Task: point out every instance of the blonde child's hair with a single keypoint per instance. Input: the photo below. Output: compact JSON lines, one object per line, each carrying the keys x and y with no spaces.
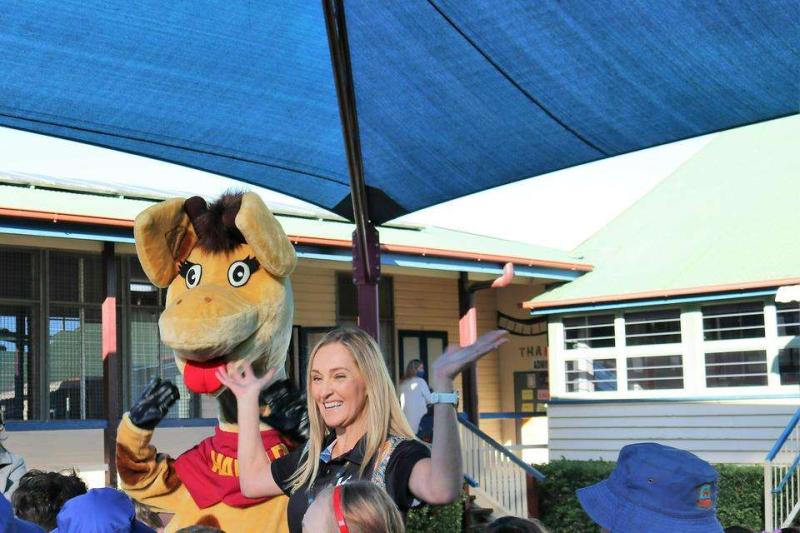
{"x":366,"y":508}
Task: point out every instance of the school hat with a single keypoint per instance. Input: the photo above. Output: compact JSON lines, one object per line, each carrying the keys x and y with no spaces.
{"x":655,"y":488}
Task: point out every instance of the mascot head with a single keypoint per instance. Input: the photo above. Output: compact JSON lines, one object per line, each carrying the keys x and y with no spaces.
{"x":226,"y":266}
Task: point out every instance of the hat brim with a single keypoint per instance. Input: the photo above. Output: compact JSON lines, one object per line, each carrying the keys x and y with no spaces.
{"x":620,"y":516}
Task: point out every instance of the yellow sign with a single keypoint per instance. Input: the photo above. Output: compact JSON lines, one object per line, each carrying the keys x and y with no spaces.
{"x":527,"y":394}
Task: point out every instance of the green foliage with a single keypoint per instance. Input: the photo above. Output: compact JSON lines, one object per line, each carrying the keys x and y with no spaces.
{"x":741,"y":496}
{"x":558,"y":506}
{"x":740,"y":502}
{"x":437,"y":518}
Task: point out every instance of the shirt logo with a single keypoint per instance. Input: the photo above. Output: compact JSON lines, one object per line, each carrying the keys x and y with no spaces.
{"x":224,"y":465}
{"x":704,"y":496}
{"x":229,"y":466}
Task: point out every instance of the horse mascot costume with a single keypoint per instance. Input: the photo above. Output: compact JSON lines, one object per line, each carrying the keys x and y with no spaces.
{"x":229,"y":299}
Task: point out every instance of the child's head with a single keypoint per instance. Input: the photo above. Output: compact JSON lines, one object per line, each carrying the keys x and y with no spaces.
{"x":357,"y":507}
{"x":655,"y":488}
{"x":515,"y":524}
{"x":40,"y":495}
{"x":104,"y":510}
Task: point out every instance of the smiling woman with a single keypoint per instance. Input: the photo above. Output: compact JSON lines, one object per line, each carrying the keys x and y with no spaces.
{"x":357,"y":429}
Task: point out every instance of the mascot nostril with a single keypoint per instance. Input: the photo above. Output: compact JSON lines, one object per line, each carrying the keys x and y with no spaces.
{"x":228,"y":263}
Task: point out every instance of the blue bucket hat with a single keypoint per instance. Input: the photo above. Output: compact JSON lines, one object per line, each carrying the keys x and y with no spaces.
{"x":655,"y":488}
{"x":103,"y":510}
{"x":11,"y":524}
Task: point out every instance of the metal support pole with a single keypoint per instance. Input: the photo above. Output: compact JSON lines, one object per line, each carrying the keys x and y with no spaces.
{"x":366,"y":244}
{"x":112,"y":366}
{"x":468,"y":334}
{"x":366,"y":287}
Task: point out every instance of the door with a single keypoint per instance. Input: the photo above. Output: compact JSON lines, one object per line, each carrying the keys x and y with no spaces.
{"x":426,"y":346}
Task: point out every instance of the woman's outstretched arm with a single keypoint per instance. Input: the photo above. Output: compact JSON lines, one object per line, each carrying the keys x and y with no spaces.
{"x":255,"y":473}
{"x":438,"y":480}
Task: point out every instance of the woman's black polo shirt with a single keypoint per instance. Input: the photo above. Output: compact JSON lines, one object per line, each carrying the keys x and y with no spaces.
{"x":345,"y":468}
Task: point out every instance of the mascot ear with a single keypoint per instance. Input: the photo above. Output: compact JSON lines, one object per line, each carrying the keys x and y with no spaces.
{"x":265,"y":235}
{"x":164,"y":237}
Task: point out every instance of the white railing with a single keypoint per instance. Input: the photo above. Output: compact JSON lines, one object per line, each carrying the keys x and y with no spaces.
{"x":782,"y":478}
{"x":501,"y":476}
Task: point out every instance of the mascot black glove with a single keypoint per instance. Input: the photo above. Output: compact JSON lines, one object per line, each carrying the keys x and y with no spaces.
{"x":154,"y":403}
{"x":288,"y":413}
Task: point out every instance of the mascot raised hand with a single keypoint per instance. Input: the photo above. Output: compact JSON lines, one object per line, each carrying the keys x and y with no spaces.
{"x":226,"y":266}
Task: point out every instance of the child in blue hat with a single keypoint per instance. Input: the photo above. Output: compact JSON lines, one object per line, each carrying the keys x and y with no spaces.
{"x":657,"y":489}
{"x":104,"y":510}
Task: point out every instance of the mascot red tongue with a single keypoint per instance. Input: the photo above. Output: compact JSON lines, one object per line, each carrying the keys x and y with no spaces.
{"x":201,"y":378}
{"x":226,"y":266}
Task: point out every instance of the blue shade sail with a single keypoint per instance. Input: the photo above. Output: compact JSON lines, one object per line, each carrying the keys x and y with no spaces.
{"x":453,"y":96}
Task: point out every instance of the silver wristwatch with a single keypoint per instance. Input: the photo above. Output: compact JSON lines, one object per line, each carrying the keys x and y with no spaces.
{"x":445,"y":397}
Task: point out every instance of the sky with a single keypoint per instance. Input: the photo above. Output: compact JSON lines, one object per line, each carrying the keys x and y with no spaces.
{"x":557,"y":210}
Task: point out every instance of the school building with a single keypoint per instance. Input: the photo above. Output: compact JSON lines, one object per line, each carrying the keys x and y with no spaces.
{"x":676,"y":335}
{"x":59,"y":242}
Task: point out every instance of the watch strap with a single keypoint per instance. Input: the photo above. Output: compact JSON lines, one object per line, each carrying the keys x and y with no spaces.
{"x":444,"y":397}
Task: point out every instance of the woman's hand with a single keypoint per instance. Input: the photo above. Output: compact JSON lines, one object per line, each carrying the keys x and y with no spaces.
{"x":456,"y":358}
{"x":241,"y":381}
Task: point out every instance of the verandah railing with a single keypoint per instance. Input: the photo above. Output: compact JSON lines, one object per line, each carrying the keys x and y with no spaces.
{"x":502,"y":477}
{"x":782,"y":478}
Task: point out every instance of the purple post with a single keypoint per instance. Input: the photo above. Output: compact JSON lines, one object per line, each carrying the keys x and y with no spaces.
{"x":366,"y":276}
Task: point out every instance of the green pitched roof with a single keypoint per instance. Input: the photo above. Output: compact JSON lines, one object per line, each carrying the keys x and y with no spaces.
{"x":729,"y":217}
{"x":18,"y":195}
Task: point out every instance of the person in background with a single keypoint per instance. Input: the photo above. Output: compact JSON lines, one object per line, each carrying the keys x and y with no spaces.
{"x":199,"y":529}
{"x":12,"y":466}
{"x":103,"y":510}
{"x":657,"y":489}
{"x":356,"y":507}
{"x":41,"y":495}
{"x":414,"y":394}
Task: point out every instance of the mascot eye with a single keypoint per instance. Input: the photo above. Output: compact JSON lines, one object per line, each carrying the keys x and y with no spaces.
{"x":239,"y":272}
{"x":193,"y":276}
{"x":191,"y":273}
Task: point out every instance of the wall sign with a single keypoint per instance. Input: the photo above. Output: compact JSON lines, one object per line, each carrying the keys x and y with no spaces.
{"x":525,"y":327}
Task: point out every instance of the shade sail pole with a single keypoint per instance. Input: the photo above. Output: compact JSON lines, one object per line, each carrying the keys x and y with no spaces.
{"x":112,"y":366}
{"x":366,"y":241}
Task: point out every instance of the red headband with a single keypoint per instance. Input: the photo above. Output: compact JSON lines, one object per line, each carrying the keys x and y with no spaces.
{"x":337,"y":509}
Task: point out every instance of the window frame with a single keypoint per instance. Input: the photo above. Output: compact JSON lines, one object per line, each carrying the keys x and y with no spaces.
{"x":692,"y":350}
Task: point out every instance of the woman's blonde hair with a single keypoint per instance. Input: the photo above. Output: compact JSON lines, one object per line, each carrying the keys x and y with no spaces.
{"x":366,"y":508}
{"x":384,"y":415}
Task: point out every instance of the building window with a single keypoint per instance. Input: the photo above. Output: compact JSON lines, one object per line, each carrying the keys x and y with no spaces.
{"x":733,"y":321}
{"x":17,"y":345}
{"x":347,"y":312}
{"x":736,"y":369}
{"x":653,"y":327}
{"x":592,"y":331}
{"x":19,"y":333}
{"x":74,"y":358}
{"x":656,"y":372}
{"x":149,"y":357}
{"x":591,"y":375}
{"x":789,"y":366}
{"x":788,"y":319}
